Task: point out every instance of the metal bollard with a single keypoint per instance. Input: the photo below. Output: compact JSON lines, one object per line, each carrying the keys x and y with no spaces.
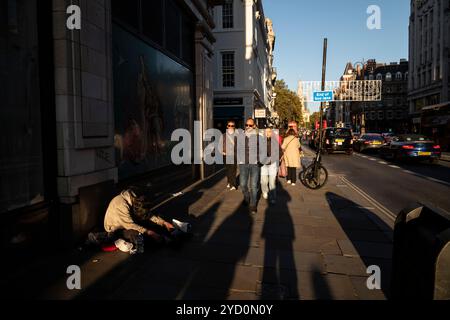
{"x":421,"y":255}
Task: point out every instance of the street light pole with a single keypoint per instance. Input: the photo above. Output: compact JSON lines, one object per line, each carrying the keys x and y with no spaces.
{"x":324,"y":69}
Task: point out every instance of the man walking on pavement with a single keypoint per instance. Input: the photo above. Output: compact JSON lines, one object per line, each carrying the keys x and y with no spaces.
{"x":249,"y":167}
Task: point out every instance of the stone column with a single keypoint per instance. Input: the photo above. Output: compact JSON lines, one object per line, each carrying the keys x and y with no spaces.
{"x":84,"y":108}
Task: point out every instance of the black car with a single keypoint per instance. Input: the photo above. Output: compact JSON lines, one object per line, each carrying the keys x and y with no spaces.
{"x":411,"y":146}
{"x":369,"y":141}
{"x":338,"y":140}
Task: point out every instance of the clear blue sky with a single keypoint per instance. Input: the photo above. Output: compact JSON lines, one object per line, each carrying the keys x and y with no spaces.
{"x":301,"y":25}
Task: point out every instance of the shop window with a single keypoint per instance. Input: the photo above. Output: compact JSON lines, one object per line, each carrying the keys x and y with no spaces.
{"x":21,"y":156}
{"x":173,"y":30}
{"x":153,"y":28}
{"x":127,"y":12}
{"x":187,"y":38}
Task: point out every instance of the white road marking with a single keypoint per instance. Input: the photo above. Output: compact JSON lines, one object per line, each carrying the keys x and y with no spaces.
{"x":395,"y":167}
{"x":371,"y":200}
{"x":382,"y":162}
{"x":372,"y":159}
{"x":433,"y":179}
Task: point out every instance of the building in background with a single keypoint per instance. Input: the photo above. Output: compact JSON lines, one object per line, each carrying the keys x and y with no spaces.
{"x":244,"y":76}
{"x":303,"y":99}
{"x":391,"y":113}
{"x":429,"y":69}
{"x":87,"y":112}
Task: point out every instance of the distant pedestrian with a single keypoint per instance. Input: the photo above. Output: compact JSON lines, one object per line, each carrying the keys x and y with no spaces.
{"x":291,"y":155}
{"x":249,"y":170}
{"x":269,"y":170}
{"x":230,"y":155}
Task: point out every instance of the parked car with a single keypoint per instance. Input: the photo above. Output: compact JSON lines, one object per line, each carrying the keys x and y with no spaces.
{"x":368,"y":141}
{"x":388,"y":136}
{"x":410,"y":146}
{"x":356,"y":135}
{"x":337,"y":140}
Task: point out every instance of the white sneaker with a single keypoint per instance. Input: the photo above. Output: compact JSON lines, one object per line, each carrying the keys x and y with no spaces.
{"x":228,"y":186}
{"x":293,"y":184}
{"x":289,"y":181}
{"x":265,"y":196}
{"x":233,"y":188}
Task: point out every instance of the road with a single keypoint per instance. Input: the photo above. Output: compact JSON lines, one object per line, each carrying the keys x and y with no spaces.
{"x":391,"y":184}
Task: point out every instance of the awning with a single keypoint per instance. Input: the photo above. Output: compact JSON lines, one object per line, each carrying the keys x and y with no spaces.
{"x":436,"y":107}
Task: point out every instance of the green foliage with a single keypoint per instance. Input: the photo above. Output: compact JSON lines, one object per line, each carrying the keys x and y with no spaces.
{"x":287,"y":104}
{"x":314,"y":117}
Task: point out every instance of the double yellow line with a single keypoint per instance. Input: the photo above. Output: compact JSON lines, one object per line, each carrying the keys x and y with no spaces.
{"x":371,"y":200}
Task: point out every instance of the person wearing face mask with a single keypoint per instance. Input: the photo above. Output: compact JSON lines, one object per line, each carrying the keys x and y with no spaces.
{"x":230,"y":155}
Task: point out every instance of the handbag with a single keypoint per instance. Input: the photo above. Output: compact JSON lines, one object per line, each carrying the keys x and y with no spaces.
{"x":282,"y":170}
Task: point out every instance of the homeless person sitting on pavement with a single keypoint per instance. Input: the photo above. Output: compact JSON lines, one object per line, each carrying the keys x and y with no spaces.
{"x":129,"y":220}
{"x":130,"y":211}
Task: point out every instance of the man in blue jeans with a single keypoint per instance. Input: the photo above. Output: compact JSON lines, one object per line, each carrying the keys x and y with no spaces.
{"x":249,"y":170}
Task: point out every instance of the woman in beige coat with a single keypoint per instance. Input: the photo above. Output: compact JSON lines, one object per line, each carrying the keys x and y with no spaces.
{"x":291,"y":155}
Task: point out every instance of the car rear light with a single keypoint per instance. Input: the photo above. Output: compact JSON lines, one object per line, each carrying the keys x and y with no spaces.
{"x":366,"y":142}
{"x":327,"y":141}
{"x":437,"y":147}
{"x":408,"y":147}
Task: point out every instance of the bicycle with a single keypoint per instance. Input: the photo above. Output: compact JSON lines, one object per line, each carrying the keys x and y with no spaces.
{"x":314,"y":176}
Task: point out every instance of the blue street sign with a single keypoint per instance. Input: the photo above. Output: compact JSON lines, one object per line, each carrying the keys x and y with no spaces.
{"x":323,"y":96}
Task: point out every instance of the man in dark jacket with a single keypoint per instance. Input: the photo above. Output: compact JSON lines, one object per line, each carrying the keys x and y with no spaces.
{"x":249,"y":169}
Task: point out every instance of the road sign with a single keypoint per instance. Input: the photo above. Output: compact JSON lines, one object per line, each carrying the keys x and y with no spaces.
{"x":260,"y":113}
{"x":323,"y":96}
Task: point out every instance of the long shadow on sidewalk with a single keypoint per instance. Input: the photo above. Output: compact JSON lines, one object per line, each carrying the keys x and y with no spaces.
{"x":279,"y":280}
{"x":217,"y":274}
{"x":369,"y":238}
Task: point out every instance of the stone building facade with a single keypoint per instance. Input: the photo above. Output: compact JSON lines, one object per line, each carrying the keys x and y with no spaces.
{"x":244,"y":75}
{"x":429,"y":68}
{"x":92,"y":110}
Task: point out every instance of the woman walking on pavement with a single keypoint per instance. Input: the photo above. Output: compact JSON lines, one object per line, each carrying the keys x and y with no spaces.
{"x":291,"y":149}
{"x":269,"y":170}
{"x":230,"y":154}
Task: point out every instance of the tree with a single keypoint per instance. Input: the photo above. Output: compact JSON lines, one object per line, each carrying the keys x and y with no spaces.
{"x":287,"y":104}
{"x":315,"y":117}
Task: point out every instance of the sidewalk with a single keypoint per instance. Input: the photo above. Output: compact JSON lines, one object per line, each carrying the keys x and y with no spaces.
{"x":445,"y":156}
{"x":311,"y":245}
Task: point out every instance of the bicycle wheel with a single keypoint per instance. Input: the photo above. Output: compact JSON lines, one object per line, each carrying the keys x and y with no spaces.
{"x":312,"y":182}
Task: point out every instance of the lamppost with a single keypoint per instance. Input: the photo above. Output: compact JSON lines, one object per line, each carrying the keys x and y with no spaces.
{"x":363,"y":115}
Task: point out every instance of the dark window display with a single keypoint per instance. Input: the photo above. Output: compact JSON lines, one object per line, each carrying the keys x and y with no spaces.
{"x":21,"y":164}
{"x":153,"y":96}
{"x":163,"y":23}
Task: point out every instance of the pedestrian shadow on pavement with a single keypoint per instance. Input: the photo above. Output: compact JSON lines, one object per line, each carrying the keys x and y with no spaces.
{"x":279,"y":280}
{"x":217,"y":273}
{"x":369,"y":239}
